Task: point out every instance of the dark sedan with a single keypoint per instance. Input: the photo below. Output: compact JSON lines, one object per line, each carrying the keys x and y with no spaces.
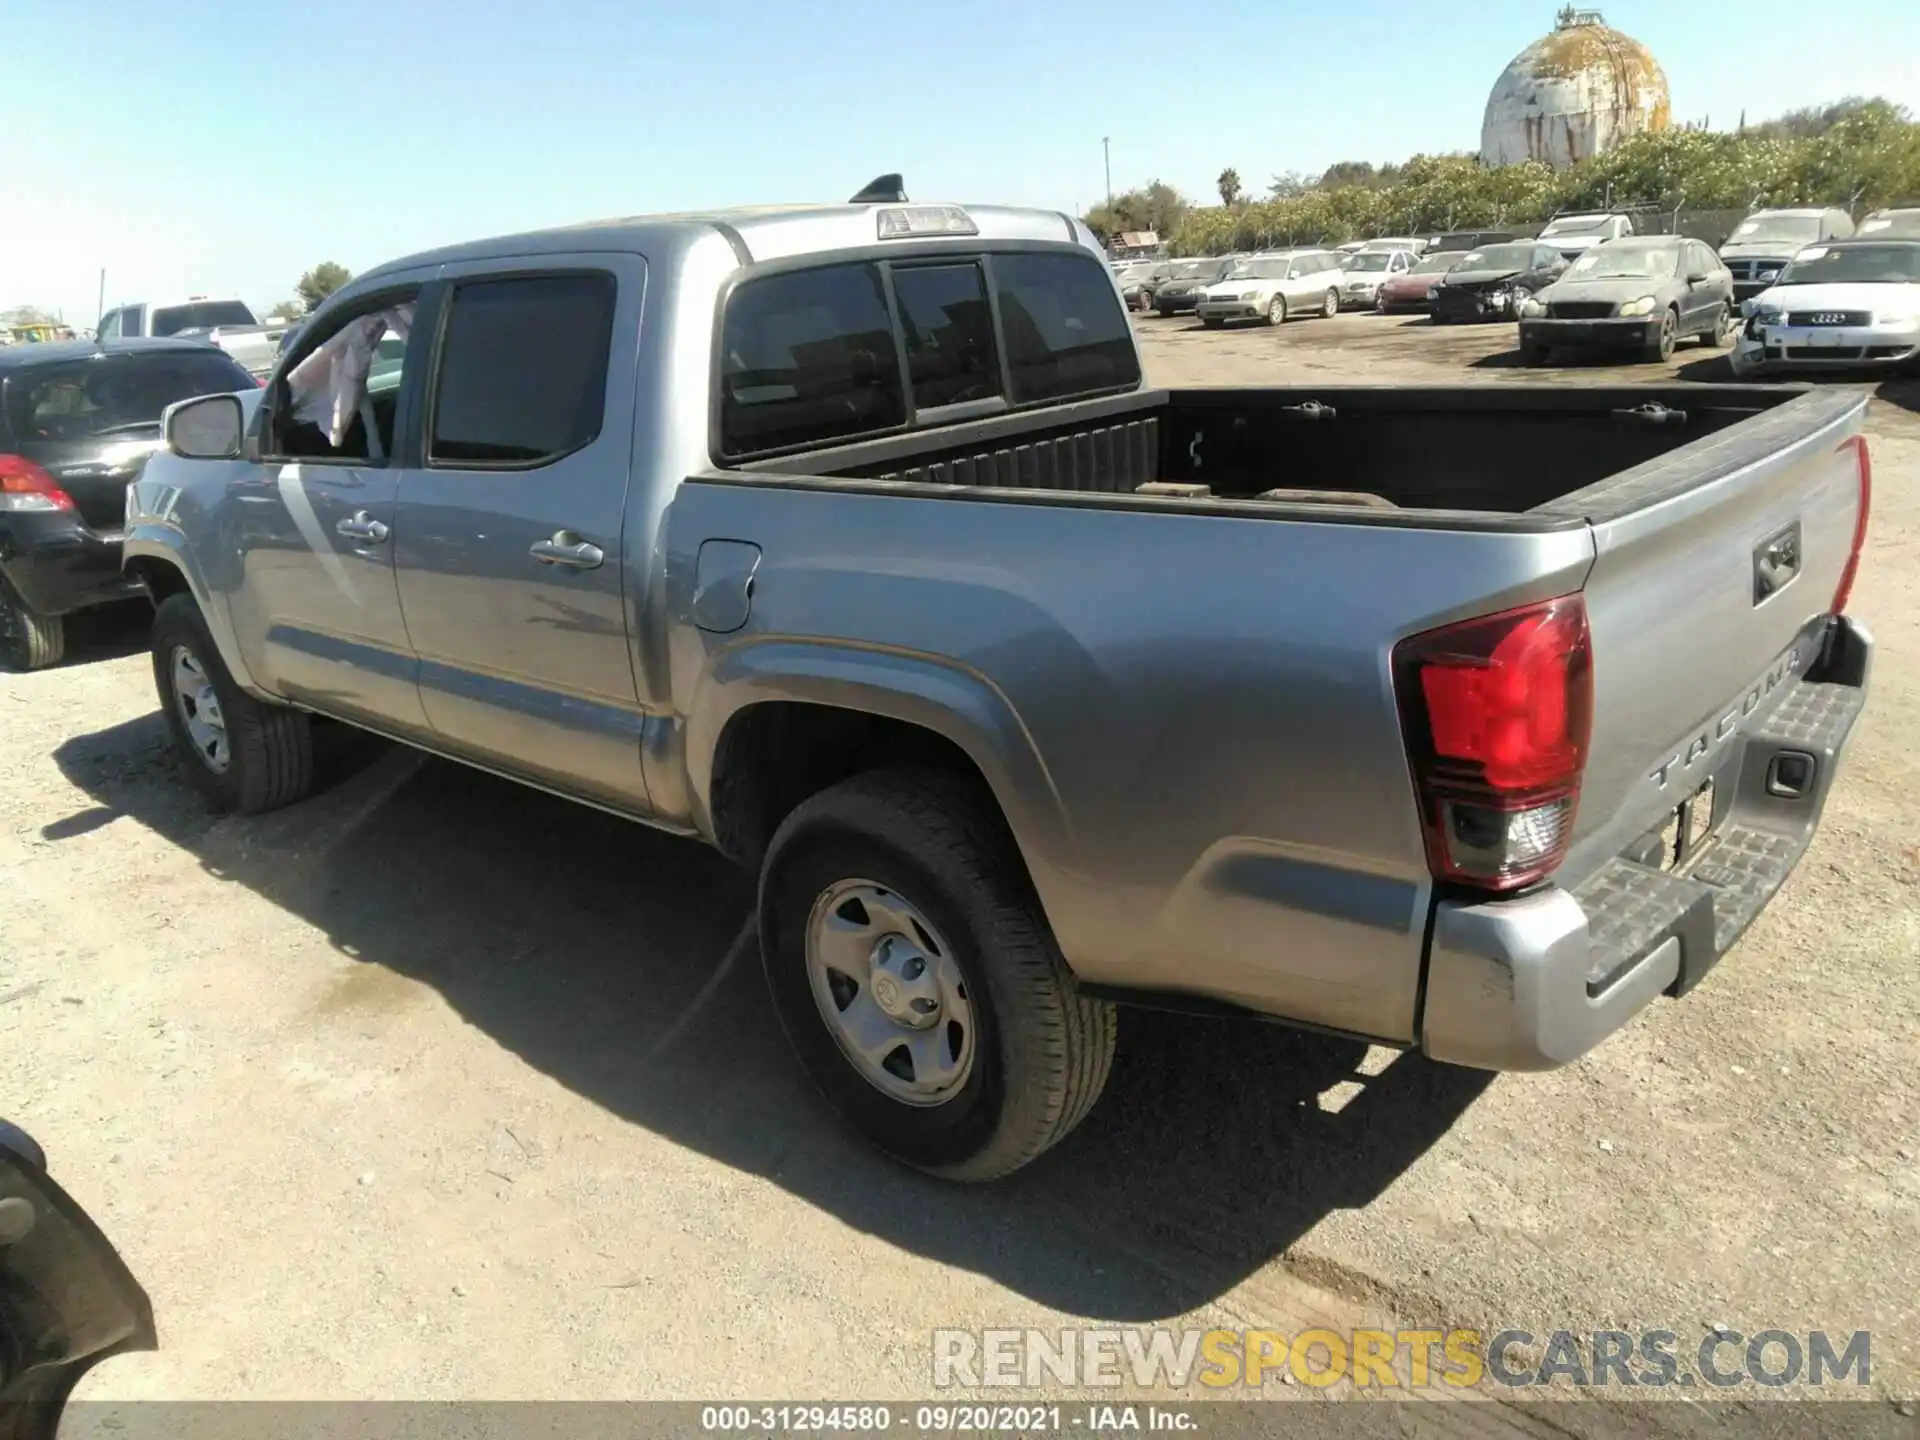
{"x":77,"y":423}
{"x":1493,"y":283}
{"x":1180,"y":291}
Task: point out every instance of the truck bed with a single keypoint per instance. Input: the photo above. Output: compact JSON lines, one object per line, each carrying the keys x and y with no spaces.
{"x":1548,"y":452}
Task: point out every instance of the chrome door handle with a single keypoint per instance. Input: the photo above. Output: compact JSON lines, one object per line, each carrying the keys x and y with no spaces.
{"x":361,"y":526}
{"x":567,"y":548}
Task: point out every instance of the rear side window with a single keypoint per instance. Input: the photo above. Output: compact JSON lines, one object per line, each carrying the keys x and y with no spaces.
{"x":948,"y":330}
{"x":1065,"y":331}
{"x":523,"y":370}
{"x":809,"y":358}
{"x":107,"y":396}
{"x":201,"y":315}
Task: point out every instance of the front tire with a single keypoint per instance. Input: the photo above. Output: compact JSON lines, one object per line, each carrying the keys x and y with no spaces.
{"x":918,"y":982}
{"x":243,"y":755}
{"x":1330,"y":307}
{"x":1277,"y":310}
{"x":28,"y":640}
{"x":1660,"y":348}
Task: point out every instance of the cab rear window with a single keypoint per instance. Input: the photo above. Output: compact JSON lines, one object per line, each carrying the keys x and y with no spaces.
{"x":835,"y":353}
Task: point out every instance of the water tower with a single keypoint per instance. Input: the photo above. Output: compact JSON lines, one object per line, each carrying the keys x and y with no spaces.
{"x":1573,"y":93}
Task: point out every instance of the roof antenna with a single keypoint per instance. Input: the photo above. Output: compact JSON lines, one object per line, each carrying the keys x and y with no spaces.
{"x":882,"y":190}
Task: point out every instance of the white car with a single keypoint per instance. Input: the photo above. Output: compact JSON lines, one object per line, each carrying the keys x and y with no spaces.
{"x":1274,"y":287}
{"x":1411,"y":244}
{"x":1366,"y":272}
{"x":1852,"y":304}
{"x":1574,"y":235}
{"x":1901,"y":224}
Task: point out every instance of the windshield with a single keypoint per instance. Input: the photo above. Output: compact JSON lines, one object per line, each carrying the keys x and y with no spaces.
{"x":1375,"y":260}
{"x":1871,"y":264}
{"x":1497,"y":257}
{"x":1194,"y":269}
{"x":1895,"y":224}
{"x":202,"y":315}
{"x":1433,"y":264}
{"x":1759,"y":229}
{"x":104,"y":395}
{"x":1627,"y":262}
{"x":1576,"y":225}
{"x":1259,"y":270}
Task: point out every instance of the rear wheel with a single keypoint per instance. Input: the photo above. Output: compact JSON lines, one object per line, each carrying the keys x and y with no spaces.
{"x":1661,"y":346}
{"x":28,"y":640}
{"x":1533,"y":355}
{"x":1330,"y":307}
{"x":1212,"y":322}
{"x":918,"y":982}
{"x":1277,"y":310}
{"x":243,"y":755}
{"x":1724,"y":330}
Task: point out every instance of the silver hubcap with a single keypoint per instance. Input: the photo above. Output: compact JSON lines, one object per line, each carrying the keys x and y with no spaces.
{"x":1333,"y":304}
{"x":890,"y":992}
{"x":199,"y":706}
{"x":1277,"y":310}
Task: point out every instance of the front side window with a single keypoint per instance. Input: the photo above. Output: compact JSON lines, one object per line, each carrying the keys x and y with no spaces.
{"x":340,"y":402}
{"x":1065,"y":331}
{"x":808,"y":358}
{"x":948,"y":330}
{"x":109,"y":326}
{"x":522,"y":376}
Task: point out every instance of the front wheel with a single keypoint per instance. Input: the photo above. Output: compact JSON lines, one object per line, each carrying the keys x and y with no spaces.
{"x":28,"y":640}
{"x":1660,"y":348}
{"x":917,"y":979}
{"x":1277,"y":310}
{"x":1330,"y":307}
{"x":243,"y":755}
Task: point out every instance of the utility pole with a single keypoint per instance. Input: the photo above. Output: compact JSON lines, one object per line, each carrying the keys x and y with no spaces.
{"x":101,"y":309}
{"x":1106,"y":149}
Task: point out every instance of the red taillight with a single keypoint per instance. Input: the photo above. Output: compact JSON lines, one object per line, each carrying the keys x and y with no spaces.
{"x":1858,"y":444}
{"x":25,"y":486}
{"x":1497,"y":712}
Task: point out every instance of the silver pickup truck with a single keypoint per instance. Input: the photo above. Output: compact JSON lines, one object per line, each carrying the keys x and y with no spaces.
{"x":851,"y":540}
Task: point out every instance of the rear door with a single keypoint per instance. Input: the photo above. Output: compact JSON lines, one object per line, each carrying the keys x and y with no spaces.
{"x":510,"y":526}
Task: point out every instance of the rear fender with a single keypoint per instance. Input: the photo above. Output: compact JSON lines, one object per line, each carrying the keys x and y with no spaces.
{"x":932,"y":692}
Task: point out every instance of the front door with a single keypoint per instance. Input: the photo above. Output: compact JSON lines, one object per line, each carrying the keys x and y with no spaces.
{"x":312,"y":524}
{"x":509,"y":530}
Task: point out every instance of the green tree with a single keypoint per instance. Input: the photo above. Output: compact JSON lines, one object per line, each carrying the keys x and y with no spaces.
{"x":1159,"y":207}
{"x":286,"y":310}
{"x":1229,"y":186}
{"x":320,"y":282}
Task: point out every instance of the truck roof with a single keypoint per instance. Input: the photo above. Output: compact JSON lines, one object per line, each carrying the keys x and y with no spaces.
{"x":759,"y":232}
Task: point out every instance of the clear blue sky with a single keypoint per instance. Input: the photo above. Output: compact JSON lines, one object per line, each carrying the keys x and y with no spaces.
{"x":225,"y":147}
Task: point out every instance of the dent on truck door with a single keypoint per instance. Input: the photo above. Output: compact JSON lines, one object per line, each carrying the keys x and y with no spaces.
{"x":509,"y":534}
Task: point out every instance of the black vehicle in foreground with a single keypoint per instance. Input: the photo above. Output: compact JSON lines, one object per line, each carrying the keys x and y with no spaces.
{"x":1179,"y":293}
{"x":67,"y":1299}
{"x":1493,"y":283}
{"x":78,"y":420}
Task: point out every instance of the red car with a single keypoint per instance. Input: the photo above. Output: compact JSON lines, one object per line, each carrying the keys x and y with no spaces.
{"x":1401,"y":293}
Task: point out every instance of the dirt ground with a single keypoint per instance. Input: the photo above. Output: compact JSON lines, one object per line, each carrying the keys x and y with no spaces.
{"x":437,"y":1087}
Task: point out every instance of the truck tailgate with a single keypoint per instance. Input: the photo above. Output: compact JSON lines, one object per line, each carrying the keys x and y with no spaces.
{"x":1715,"y":570}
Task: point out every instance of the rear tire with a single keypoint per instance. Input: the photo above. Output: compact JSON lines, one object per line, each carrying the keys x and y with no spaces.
{"x":1533,"y":356}
{"x":1212,"y":322}
{"x":1724,"y":330}
{"x":243,"y":755}
{"x":1018,"y":1056}
{"x":28,"y":640}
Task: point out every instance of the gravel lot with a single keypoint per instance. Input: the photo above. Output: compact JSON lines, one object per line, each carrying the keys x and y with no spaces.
{"x":438,"y":1087}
